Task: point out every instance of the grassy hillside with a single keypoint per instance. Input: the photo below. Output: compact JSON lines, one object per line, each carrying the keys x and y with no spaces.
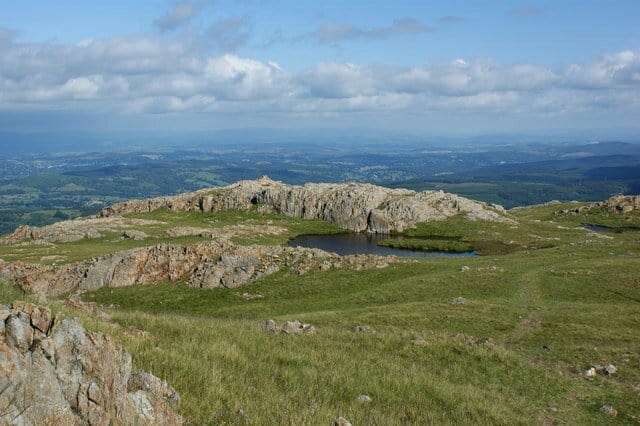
{"x":111,"y":242}
{"x":512,"y":351}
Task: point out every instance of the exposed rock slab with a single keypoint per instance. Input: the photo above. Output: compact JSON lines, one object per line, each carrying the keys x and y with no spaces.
{"x":230,"y":231}
{"x":212,"y":264}
{"x":621,"y":204}
{"x":55,"y":372}
{"x":354,"y":206}
{"x":75,"y":230}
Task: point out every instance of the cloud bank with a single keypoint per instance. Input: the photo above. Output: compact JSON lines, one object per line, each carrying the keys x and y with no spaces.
{"x":155,"y":75}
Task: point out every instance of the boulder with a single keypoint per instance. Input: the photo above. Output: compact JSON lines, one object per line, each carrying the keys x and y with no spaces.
{"x":270,"y":326}
{"x":56,"y":372}
{"x":590,"y":373}
{"x":458,"y":301}
{"x":609,"y":410}
{"x":132,"y":234}
{"x":363,"y":398}
{"x":288,"y":327}
{"x":341,"y":421}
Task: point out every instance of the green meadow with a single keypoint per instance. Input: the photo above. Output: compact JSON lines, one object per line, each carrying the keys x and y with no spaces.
{"x":544,"y":301}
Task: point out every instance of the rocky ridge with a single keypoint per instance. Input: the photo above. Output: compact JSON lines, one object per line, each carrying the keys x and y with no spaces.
{"x":75,"y":230}
{"x":623,"y":203}
{"x":53,"y":371}
{"x":620,"y":204}
{"x":354,"y":206}
{"x":95,"y":228}
{"x":212,"y":264}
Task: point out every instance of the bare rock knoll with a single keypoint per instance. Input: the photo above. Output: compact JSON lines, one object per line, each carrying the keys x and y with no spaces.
{"x":623,"y":203}
{"x":210,"y":264}
{"x":54,"y":372}
{"x":619,"y":204}
{"x":74,"y":230}
{"x":354,"y":206}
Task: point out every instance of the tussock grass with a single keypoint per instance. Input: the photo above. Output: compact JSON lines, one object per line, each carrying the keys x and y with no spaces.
{"x":548,"y":316}
{"x":534,"y":319}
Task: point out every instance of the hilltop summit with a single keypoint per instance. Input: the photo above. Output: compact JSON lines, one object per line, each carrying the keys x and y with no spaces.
{"x":354,"y":206}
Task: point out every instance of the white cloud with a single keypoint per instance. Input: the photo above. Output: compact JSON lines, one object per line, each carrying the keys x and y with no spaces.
{"x":614,"y":70}
{"x":149,"y":74}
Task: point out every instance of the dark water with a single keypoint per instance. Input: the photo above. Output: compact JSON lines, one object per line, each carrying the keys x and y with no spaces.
{"x":345,"y":244}
{"x":597,"y":228}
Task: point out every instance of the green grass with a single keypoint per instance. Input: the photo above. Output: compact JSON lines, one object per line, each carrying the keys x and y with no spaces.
{"x":9,"y":293}
{"x":427,"y":244}
{"x":549,"y":314}
{"x":595,"y":216}
{"x":550,"y":298}
{"x":112,"y":242}
{"x":457,"y":234}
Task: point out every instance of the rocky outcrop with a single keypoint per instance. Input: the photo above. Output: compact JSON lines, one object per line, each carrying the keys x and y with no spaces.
{"x":212,"y":264}
{"x":54,"y":372}
{"x":77,"y":229}
{"x":354,"y":206}
{"x":288,"y":327}
{"x":92,"y":228}
{"x":227,"y":232}
{"x":621,"y":204}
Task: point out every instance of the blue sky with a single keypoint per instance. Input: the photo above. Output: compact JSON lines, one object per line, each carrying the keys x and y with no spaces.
{"x":437,"y":67}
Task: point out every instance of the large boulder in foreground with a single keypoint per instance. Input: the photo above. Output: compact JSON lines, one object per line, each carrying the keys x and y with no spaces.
{"x":354,"y":206}
{"x":57,"y":373}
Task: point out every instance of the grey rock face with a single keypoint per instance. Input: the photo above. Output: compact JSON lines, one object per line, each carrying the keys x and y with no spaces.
{"x":18,"y":331}
{"x":230,"y":271}
{"x":354,"y":206}
{"x":65,"y":375}
{"x":217,"y":263}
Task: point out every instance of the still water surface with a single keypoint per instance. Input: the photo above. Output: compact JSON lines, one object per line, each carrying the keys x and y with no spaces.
{"x":352,"y":243}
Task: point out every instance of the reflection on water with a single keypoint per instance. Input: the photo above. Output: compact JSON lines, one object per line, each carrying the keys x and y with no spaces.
{"x":351,"y":243}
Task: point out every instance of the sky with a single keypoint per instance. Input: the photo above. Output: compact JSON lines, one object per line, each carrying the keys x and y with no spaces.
{"x":433,"y":68}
